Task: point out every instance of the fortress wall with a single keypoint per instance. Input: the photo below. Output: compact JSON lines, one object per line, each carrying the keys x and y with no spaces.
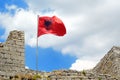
{"x":110,"y":63}
{"x":12,"y":54}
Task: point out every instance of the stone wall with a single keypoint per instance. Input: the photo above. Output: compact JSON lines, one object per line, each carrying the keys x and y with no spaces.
{"x":76,"y":75}
{"x":12,"y":54}
{"x":110,"y":63}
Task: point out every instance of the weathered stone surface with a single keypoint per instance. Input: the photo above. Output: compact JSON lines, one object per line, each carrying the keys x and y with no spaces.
{"x":12,"y":54}
{"x":110,"y":63}
{"x":75,"y":75}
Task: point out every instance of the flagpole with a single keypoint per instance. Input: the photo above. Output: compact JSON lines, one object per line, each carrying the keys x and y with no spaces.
{"x":37,"y":47}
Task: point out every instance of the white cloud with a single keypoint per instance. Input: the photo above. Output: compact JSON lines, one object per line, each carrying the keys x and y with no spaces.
{"x":22,"y":20}
{"x":83,"y":65}
{"x":92,"y":26}
{"x":11,"y":7}
{"x":26,"y":67}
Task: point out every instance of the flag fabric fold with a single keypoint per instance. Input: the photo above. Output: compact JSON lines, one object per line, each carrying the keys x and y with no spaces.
{"x":50,"y":25}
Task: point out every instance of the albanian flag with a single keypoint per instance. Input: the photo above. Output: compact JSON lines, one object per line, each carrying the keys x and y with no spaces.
{"x":50,"y":25}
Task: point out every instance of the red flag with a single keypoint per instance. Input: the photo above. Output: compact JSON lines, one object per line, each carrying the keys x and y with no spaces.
{"x":50,"y":25}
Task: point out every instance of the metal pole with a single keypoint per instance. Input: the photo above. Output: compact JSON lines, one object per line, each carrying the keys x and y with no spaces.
{"x":37,"y":47}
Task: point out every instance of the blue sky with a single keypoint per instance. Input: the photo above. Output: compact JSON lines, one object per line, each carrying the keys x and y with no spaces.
{"x":48,"y":59}
{"x":19,"y":3}
{"x":92,"y":29}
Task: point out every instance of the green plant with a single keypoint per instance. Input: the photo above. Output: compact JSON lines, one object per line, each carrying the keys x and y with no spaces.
{"x":48,"y":78}
{"x":99,"y":78}
{"x":84,"y":73}
{"x":37,"y":76}
{"x":16,"y":76}
{"x":81,"y":78}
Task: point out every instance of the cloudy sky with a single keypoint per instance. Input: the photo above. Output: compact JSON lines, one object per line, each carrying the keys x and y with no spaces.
{"x":93,"y":27}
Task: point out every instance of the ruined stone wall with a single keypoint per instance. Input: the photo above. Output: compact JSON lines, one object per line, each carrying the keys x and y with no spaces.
{"x":82,"y":75}
{"x":12,"y":54}
{"x":110,"y":63}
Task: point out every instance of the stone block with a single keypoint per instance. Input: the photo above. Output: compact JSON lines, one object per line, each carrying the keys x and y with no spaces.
{"x":20,"y":50}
